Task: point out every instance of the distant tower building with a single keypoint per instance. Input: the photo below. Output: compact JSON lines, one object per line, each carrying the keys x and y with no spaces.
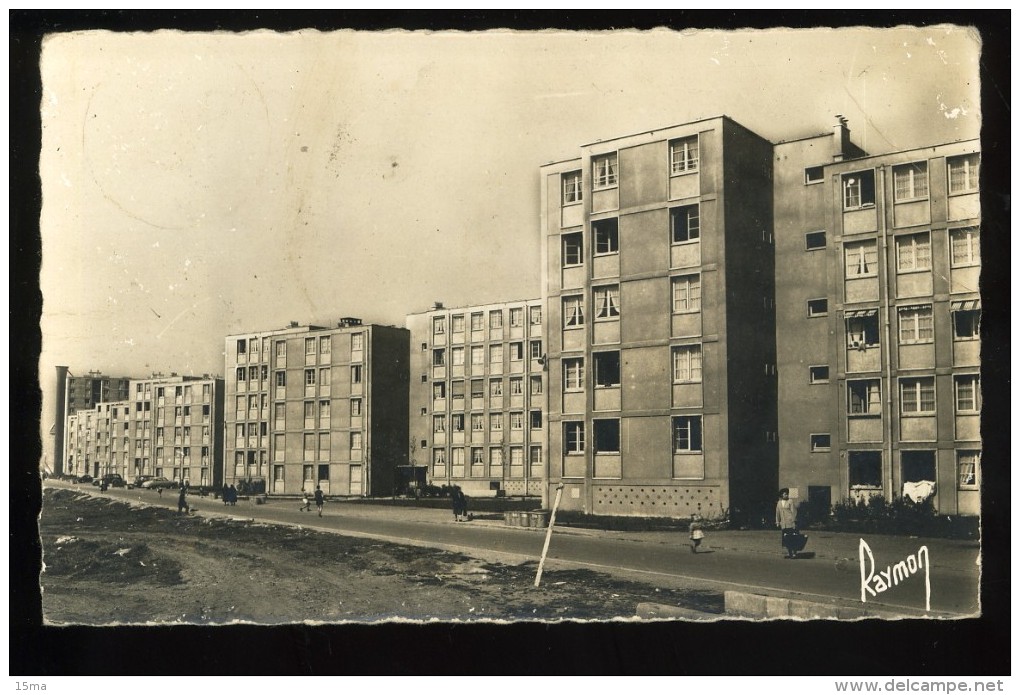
{"x":478,"y":397}
{"x":315,"y":406}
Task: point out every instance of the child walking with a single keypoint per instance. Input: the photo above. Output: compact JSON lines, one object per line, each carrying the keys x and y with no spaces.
{"x":306,"y":504}
{"x":697,"y":532}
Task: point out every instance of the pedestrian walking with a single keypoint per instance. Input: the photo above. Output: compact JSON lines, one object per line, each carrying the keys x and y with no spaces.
{"x":455,"y":499}
{"x":232,"y":495}
{"x":306,"y":503}
{"x":225,"y":493}
{"x":786,"y":522}
{"x":697,"y":532}
{"x":182,"y":501}
{"x":319,"y":499}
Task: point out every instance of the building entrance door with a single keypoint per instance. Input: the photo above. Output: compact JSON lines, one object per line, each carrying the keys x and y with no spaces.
{"x":323,"y":479}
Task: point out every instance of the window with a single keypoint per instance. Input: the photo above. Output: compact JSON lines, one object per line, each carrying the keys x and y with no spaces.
{"x":573,"y":311}
{"x":573,"y":438}
{"x":309,"y":407}
{"x":686,"y":294}
{"x":687,"y":434}
{"x":439,"y":457}
{"x":606,"y":234}
{"x":495,"y":422}
{"x":239,"y":376}
{"x":965,"y":246}
{"x":496,"y":354}
{"x":861,"y":328}
{"x":496,"y":459}
{"x":536,"y":419}
{"x":310,"y":346}
{"x":607,"y":302}
{"x":496,"y":319}
{"x":968,"y":393}
{"x":821,"y":442}
{"x":607,"y":368}
{"x":457,"y":356}
{"x":281,"y":348}
{"x":516,"y":386}
{"x":477,"y":321}
{"x":439,"y":390}
{"x":309,"y":377}
{"x":438,"y":423}
{"x":814,"y":241}
{"x":439,"y":357}
{"x":858,"y":190}
{"x":439,"y":325}
{"x":818,"y":374}
{"x":917,"y":395}
{"x":516,"y":421}
{"x":457,"y":323}
{"x":687,"y":364}
{"x":814,"y":174}
{"x":536,"y":386}
{"x":355,"y":440}
{"x":536,"y":349}
{"x":516,"y":352}
{"x":571,"y":187}
{"x":477,"y":456}
{"x":477,"y":355}
{"x":573,"y":374}
{"x":457,"y":393}
{"x":573,"y":249}
{"x":861,"y":259}
{"x":963,"y":173}
{"x":604,"y":171}
{"x":496,"y":388}
{"x":477,"y":422}
{"x":457,"y":422}
{"x":683,"y":155}
{"x":517,"y":317}
{"x":916,"y":324}
{"x":326,"y":343}
{"x":536,"y":460}
{"x":280,"y":415}
{"x":355,"y":373}
{"x":817,"y":307}
{"x":685,"y":223}
{"x":865,"y":469}
{"x":535,"y":315}
{"x":910,"y":181}
{"x":967,"y":324}
{"x":516,"y":456}
{"x":325,"y":381}
{"x":913,"y":252}
{"x":967,"y":465}
{"x":606,"y":434}
{"x":864,"y":397}
{"x":477,"y":388}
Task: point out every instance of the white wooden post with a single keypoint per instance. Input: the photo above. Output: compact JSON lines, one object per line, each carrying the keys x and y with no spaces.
{"x":548,"y":533}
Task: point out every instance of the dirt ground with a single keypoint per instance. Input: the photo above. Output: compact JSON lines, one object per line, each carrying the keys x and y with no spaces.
{"x":107,"y":562}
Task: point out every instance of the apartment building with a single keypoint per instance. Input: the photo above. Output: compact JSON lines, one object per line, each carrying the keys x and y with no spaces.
{"x":169,"y":426}
{"x":85,"y":392}
{"x":878,"y":321}
{"x":322,"y":406}
{"x":478,"y":397}
{"x":658,"y":286}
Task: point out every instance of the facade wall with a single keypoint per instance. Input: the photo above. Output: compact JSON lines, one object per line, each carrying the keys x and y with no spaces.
{"x":639,"y":322}
{"x":882,"y":381}
{"x":301,"y":410}
{"x":477,"y":397}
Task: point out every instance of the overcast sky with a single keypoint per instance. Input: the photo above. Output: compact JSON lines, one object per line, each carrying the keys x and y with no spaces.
{"x":197,"y":185}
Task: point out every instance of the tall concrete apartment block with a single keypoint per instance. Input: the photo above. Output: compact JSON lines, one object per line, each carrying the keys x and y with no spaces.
{"x":478,"y":391}
{"x":658,"y":290}
{"x":85,"y":392}
{"x":311,"y":406}
{"x":167,"y":426}
{"x":878,"y":321}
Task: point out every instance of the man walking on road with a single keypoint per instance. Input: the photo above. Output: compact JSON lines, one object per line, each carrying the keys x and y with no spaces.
{"x":318,"y":499}
{"x":786,"y":520}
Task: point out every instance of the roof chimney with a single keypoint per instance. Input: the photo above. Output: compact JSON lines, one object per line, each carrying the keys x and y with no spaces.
{"x":842,"y":139}
{"x":436,"y":306}
{"x":293,"y":324}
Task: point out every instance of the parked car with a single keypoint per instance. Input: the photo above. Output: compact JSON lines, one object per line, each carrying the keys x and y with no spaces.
{"x":113,"y":480}
{"x":156,"y":482}
{"x":84,"y":479}
{"x":137,"y":482}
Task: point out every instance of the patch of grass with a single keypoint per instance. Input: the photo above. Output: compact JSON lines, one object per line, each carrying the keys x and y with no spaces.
{"x":108,"y":562}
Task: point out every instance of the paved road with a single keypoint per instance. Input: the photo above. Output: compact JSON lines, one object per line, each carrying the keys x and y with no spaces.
{"x":739,"y":560}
